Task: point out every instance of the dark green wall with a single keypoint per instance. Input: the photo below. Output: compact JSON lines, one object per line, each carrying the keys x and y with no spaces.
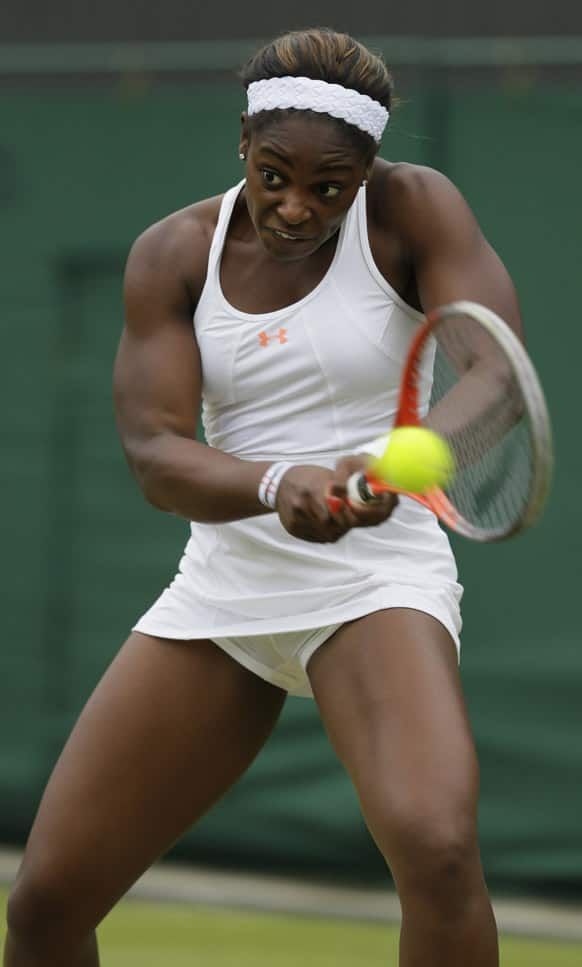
{"x":183,"y":20}
{"x":83,"y":555}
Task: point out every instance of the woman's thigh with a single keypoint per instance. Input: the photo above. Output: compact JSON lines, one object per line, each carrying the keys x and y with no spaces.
{"x":389,"y":692}
{"x":169,"y":728}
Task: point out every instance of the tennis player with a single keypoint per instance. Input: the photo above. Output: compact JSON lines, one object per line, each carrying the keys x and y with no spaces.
{"x":306,"y":283}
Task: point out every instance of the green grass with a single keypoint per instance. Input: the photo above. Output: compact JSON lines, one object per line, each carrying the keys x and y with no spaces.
{"x":139,"y":934}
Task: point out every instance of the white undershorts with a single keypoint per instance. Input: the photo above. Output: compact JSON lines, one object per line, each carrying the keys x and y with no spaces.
{"x":282,"y":658}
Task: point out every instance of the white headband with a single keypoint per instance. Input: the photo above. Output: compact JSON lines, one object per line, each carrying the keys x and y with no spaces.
{"x":305,"y":94}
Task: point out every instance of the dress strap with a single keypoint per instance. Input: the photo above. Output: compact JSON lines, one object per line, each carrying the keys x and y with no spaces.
{"x":226,"y":206}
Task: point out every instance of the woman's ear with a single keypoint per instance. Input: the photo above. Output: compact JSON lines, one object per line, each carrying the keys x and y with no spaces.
{"x":243,"y":147}
{"x":370,"y":165}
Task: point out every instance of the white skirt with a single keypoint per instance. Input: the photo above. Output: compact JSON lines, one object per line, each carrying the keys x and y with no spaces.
{"x":270,"y":600}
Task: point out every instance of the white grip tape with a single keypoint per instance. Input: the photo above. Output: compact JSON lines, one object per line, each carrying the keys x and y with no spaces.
{"x":359,"y":493}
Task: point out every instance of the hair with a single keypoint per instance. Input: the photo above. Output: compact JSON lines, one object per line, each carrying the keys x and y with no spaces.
{"x":323,"y":55}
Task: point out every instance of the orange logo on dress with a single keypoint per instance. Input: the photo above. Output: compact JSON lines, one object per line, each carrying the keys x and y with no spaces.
{"x":265,"y":340}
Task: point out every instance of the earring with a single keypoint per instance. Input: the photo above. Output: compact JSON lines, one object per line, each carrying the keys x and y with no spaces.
{"x":242,"y":157}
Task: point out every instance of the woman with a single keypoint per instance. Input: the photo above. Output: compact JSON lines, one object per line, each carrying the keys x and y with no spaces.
{"x":306,"y":283}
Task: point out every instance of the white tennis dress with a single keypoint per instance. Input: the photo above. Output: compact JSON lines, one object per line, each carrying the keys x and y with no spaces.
{"x":308,"y":383}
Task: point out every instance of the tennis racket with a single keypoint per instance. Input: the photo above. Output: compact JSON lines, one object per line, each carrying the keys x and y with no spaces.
{"x":468,"y":377}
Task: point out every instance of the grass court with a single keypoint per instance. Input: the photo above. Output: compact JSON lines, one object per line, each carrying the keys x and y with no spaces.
{"x":145,"y":934}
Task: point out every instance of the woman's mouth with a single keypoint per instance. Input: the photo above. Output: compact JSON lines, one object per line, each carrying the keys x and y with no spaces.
{"x":290,"y":237}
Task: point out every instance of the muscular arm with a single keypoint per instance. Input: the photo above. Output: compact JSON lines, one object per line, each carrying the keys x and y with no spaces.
{"x":157,"y":385}
{"x":452,"y":260}
{"x":450,"y":256}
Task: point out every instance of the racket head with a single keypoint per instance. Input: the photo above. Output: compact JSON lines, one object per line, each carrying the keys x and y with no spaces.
{"x":469,"y":378}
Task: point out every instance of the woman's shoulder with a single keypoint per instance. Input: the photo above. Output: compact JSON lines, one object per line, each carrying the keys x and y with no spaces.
{"x":404,"y":175}
{"x":400,"y":193}
{"x":399,"y":182}
{"x":193,"y":225}
{"x":180,"y":241}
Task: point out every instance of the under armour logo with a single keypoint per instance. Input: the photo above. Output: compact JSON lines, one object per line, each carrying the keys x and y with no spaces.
{"x":265,"y":340}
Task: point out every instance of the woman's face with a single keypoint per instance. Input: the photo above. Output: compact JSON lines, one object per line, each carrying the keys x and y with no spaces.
{"x":302,"y":175}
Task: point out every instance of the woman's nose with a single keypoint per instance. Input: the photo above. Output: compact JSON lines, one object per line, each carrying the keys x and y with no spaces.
{"x":293,"y":209}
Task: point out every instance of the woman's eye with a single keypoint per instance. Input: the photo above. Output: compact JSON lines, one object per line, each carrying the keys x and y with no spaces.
{"x":271,"y":178}
{"x":329,"y":191}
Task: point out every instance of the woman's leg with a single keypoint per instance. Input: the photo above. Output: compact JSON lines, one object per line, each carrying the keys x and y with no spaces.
{"x":170,"y":727}
{"x":389,"y":693}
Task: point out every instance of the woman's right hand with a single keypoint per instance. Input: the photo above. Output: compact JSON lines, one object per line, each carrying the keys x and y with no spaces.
{"x":303,"y":509}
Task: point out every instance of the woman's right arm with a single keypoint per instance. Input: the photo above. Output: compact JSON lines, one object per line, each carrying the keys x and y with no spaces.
{"x":157,"y":383}
{"x":157,"y":391}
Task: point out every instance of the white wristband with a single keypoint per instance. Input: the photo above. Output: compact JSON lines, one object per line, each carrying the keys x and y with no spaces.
{"x":270,"y":482}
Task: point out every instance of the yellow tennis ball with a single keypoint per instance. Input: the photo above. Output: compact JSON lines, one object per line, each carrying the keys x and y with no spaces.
{"x":415,"y":459}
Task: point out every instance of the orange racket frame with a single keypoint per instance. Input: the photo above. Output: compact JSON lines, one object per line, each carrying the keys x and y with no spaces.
{"x":408,"y":415}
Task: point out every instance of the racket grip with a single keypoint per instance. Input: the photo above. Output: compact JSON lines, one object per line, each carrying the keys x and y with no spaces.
{"x":360,"y":493}
{"x":334,"y":503}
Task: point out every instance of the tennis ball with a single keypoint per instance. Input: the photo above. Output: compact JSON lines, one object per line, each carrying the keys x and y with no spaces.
{"x":415,"y":459}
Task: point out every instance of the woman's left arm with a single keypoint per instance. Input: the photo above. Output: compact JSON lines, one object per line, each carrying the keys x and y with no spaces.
{"x":451,"y":258}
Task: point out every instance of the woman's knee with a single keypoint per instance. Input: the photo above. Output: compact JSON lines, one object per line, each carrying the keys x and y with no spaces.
{"x":43,"y":911}
{"x":432,"y":852}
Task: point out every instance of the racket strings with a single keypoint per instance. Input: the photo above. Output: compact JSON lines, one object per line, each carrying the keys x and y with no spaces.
{"x":477,"y":404}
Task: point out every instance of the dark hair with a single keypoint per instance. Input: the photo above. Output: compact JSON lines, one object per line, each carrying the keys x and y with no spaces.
{"x":323,"y":55}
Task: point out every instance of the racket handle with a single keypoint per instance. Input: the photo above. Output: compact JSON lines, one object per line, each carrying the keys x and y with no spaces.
{"x":360,"y":492}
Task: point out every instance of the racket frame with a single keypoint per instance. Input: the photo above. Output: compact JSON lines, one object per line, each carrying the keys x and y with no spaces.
{"x":534,"y":404}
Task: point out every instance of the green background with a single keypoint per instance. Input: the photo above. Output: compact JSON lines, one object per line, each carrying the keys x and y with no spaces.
{"x":83,"y":555}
